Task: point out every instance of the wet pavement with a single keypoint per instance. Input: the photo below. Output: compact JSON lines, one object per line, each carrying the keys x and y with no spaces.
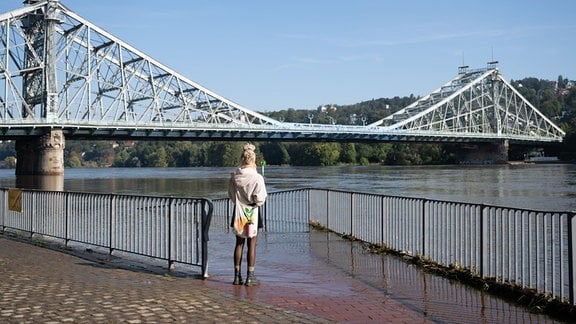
{"x":311,"y":277}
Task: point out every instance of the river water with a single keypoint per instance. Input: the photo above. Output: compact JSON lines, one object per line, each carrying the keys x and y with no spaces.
{"x":550,"y":187}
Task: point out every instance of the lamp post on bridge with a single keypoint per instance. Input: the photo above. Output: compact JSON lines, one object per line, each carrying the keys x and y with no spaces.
{"x":310,"y":117}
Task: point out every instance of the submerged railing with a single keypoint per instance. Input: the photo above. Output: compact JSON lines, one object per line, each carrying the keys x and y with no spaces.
{"x":521,"y":247}
{"x":163,"y":228}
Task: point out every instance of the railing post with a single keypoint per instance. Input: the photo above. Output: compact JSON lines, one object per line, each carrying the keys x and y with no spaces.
{"x":4,"y":210}
{"x":31,"y":212}
{"x":424,"y":227}
{"x":382,"y":220}
{"x":327,"y":208}
{"x":111,"y":225}
{"x":206,"y":219}
{"x":308,"y":193}
{"x":170,"y":243}
{"x":481,"y":241}
{"x":352,"y":215}
{"x":66,"y":220}
{"x":228,"y":214}
{"x":572,"y":261}
{"x":264,"y":210}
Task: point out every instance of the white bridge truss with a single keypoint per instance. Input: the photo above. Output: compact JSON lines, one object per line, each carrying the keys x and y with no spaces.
{"x":59,"y":71}
{"x":474,"y":102}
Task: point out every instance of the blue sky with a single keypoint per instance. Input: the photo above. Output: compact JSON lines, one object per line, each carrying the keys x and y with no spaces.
{"x":272,"y":55}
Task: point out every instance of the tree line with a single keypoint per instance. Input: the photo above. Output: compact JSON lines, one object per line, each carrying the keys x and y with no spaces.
{"x":555,"y":99}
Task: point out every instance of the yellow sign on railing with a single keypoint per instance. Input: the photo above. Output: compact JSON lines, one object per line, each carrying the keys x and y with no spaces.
{"x":15,"y":200}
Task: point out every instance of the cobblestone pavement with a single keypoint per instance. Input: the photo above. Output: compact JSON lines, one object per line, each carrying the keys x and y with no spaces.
{"x":311,"y":278}
{"x":43,"y":285}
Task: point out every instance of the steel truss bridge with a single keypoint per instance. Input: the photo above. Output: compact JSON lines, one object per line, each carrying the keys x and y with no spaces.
{"x":59,"y":71}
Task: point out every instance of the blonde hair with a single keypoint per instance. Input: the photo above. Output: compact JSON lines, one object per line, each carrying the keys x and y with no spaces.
{"x":248,"y":158}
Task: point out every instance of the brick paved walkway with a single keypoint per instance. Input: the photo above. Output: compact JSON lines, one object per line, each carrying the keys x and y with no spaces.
{"x":43,"y":285}
{"x":309,"y":277}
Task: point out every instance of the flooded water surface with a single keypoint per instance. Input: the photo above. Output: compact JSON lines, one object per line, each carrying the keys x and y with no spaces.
{"x":533,"y":186}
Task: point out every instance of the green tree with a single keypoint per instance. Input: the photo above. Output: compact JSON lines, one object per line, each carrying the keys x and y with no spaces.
{"x":348,"y":154}
{"x":10,"y":162}
{"x":374,"y":153}
{"x":7,"y":149}
{"x":121,"y":159}
{"x":159,"y":158}
{"x":296,"y":151}
{"x":99,"y":153}
{"x":431,"y":153}
{"x":562,"y":82}
{"x":569,"y":104}
{"x":382,"y":151}
{"x":364,"y":161}
{"x":73,"y":162}
{"x":134,"y":162}
{"x":224,"y":154}
{"x":275,"y":153}
{"x":404,"y":154}
{"x":568,"y":147}
{"x":321,"y":154}
{"x":186,"y":154}
{"x":149,"y":154}
{"x":549,"y":103}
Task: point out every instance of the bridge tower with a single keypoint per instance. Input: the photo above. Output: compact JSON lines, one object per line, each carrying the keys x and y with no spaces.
{"x":43,"y":155}
{"x":503,"y":145}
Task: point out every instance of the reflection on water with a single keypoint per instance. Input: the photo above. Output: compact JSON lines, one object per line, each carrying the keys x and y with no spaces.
{"x":531,"y":186}
{"x":178,"y":182}
{"x":42,"y":182}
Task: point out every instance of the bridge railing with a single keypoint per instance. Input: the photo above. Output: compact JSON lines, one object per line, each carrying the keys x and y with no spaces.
{"x":518,"y":247}
{"x":161,"y":228}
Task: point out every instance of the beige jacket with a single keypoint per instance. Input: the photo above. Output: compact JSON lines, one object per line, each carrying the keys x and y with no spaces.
{"x":247,"y":187}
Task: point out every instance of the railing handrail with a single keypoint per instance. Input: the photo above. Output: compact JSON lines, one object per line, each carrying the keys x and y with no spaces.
{"x":428,"y":199}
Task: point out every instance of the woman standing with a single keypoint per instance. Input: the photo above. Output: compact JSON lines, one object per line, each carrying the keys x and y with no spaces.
{"x":247,"y":191}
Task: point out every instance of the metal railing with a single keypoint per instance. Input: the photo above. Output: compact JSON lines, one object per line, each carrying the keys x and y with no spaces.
{"x":527,"y":248}
{"x":163,"y":228}
{"x":521,"y":247}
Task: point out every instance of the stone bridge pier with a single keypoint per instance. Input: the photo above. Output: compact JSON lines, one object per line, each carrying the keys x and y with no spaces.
{"x":41,"y":156}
